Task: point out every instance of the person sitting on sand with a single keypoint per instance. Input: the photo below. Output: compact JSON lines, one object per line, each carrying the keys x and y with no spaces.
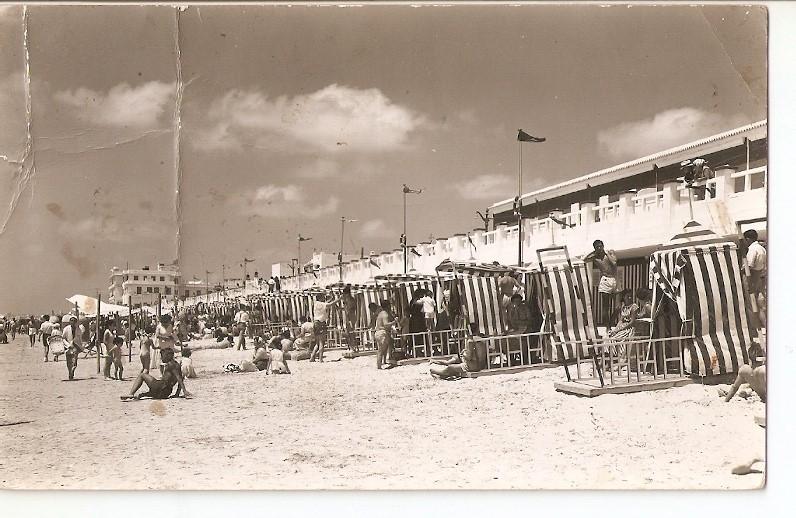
{"x":160,"y":388}
{"x":754,"y":375}
{"x":383,"y":334}
{"x":186,"y":364}
{"x":306,"y":336}
{"x":472,"y":359}
{"x":278,"y":364}
{"x":261,"y":357}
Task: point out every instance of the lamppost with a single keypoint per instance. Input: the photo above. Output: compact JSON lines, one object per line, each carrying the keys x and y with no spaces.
{"x":245,"y":276}
{"x":343,"y":221}
{"x":300,"y":239}
{"x":406,"y":190}
{"x":207,"y":286}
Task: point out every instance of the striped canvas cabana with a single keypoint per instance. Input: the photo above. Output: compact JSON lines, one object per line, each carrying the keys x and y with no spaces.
{"x":366,"y":296}
{"x":564,"y":293}
{"x":476,"y":288}
{"x":480,"y":297}
{"x":703,"y":281}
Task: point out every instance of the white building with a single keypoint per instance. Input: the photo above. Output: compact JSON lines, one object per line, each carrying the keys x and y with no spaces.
{"x":633,"y":207}
{"x":138,"y":286}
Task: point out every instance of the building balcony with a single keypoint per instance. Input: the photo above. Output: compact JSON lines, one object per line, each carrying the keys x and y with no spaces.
{"x":633,"y":225}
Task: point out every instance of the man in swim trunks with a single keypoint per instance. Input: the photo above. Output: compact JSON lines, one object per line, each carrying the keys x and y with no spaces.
{"x":754,"y":375}
{"x":350,"y":317}
{"x":320,"y":325}
{"x":472,"y":359}
{"x":605,"y":261}
{"x":383,"y":334}
{"x":508,"y":286}
{"x":160,"y":388}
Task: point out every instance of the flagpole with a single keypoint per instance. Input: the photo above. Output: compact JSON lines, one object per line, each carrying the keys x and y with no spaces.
{"x":340,"y":257}
{"x":299,"y":262}
{"x":519,"y":203}
{"x":404,"y":234}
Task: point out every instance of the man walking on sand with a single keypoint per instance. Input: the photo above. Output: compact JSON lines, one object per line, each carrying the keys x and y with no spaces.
{"x":605,"y":261}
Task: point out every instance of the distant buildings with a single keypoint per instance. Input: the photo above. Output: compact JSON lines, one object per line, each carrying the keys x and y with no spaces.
{"x":138,"y":286}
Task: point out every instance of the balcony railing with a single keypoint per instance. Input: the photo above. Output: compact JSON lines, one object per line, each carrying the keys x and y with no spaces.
{"x":633,"y":221}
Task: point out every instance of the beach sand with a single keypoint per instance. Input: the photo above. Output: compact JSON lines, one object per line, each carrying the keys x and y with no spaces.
{"x":344,"y":425}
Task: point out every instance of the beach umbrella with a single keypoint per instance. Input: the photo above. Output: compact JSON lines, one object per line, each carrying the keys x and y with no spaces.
{"x":88,"y":306}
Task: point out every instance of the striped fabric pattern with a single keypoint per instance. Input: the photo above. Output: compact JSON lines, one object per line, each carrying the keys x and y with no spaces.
{"x":481,"y":298}
{"x":368,"y":295}
{"x":712,"y":296}
{"x":473,"y":269}
{"x":566,"y":295}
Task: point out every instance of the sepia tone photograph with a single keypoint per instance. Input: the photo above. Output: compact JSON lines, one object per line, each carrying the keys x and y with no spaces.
{"x":383,"y":247}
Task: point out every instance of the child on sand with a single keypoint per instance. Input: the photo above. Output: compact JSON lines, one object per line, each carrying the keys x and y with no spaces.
{"x":278,"y":362}
{"x":118,"y":369}
{"x":186,"y":364}
{"x":146,"y":349}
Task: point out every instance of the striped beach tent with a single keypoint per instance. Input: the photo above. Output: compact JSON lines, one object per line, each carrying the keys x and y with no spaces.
{"x":473,"y":269}
{"x":704,"y":282}
{"x":564,"y":292}
{"x":480,"y":296}
{"x":366,"y":296}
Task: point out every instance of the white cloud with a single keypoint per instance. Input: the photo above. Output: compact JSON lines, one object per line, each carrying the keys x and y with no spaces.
{"x":666,"y":129}
{"x":376,"y":228}
{"x":123,"y":105}
{"x":333,"y":119}
{"x":110,"y":228}
{"x":288,"y":201}
{"x":487,"y":186}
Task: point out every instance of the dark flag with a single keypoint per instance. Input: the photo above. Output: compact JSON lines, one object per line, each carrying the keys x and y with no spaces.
{"x":407,"y":190}
{"x":471,"y":242}
{"x":301,"y":238}
{"x":524,"y":137}
{"x":374,"y":263}
{"x":415,"y":252}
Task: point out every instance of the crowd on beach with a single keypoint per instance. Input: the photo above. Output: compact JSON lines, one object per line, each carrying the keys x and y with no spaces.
{"x":161,"y":338}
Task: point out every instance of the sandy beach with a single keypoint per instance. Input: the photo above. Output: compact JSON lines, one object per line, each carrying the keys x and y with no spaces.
{"x":344,"y":425}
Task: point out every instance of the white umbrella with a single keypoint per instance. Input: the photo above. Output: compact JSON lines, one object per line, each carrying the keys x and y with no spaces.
{"x":88,"y":306}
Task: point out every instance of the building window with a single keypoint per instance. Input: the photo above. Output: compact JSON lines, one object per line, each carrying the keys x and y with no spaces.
{"x":162,"y":278}
{"x":138,"y":290}
{"x":168,"y":290}
{"x":135,"y":277}
{"x":157,"y":290}
{"x":149,"y":289}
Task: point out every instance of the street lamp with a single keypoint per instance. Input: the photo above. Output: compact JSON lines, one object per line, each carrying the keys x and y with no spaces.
{"x":342,"y":236}
{"x":300,"y":239}
{"x":406,"y":190}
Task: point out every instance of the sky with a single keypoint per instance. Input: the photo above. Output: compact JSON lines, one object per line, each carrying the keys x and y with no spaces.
{"x":293,"y":117}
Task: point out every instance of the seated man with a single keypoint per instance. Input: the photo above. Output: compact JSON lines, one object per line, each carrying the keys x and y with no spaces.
{"x":160,"y":388}
{"x":472,"y":359}
{"x":754,"y":375}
